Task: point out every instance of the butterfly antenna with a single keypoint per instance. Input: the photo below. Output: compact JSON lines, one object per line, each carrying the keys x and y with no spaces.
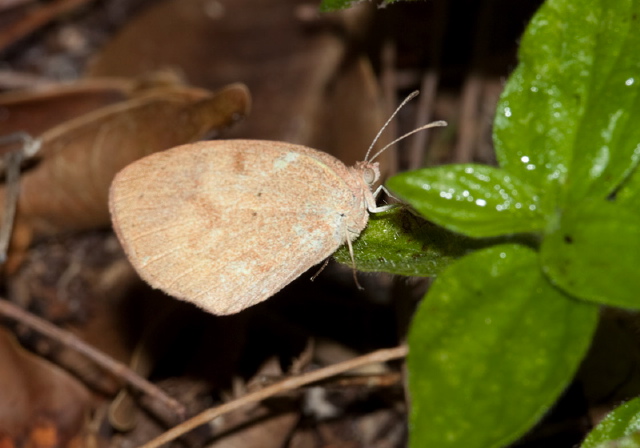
{"x":435,"y":124}
{"x":411,"y":96}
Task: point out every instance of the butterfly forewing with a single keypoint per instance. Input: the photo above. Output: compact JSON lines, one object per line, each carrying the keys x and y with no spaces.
{"x":226,"y":224}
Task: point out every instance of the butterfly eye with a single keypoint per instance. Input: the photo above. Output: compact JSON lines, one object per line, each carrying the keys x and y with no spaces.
{"x":369,"y":176}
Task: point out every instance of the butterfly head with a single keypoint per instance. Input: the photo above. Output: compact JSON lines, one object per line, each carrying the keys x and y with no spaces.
{"x":370,"y":172}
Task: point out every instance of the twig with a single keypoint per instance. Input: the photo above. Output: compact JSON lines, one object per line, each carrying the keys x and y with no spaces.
{"x":389,"y":84}
{"x":467,"y":128}
{"x":11,"y":161}
{"x":378,"y":380}
{"x":36,"y":19}
{"x":472,"y":90}
{"x":12,"y":80}
{"x":429,"y":85}
{"x":72,"y":341}
{"x":277,"y":388}
{"x":426,"y":104}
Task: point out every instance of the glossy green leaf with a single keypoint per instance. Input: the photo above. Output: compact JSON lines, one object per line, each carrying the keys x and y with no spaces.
{"x":567,"y":120}
{"x":399,"y":242}
{"x":491,"y":347}
{"x":620,"y":429}
{"x":476,"y":200}
{"x":630,"y":441}
{"x":594,"y":253}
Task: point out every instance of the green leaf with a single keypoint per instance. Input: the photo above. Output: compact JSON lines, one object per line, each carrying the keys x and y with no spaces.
{"x":630,"y":441}
{"x":594,"y":253}
{"x":621,"y":428}
{"x":567,"y":120}
{"x":334,"y":5}
{"x":491,"y":347}
{"x":399,"y":242}
{"x":476,"y":200}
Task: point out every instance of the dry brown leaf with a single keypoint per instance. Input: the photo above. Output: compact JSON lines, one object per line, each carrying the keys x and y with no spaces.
{"x":351,"y":114}
{"x":40,"y":402}
{"x":36,"y":110}
{"x":226,"y":43}
{"x":308,"y":86}
{"x":68,"y":189}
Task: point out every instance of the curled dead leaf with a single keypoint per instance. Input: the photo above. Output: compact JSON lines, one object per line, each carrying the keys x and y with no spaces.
{"x":67,"y":190}
{"x":36,"y":110}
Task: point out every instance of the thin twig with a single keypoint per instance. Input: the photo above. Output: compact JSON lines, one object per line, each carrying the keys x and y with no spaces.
{"x":389,"y":85}
{"x":467,"y":127}
{"x":285,"y":385}
{"x":12,"y":162}
{"x":30,"y":146}
{"x":70,"y":340}
{"x":426,"y":104}
{"x":35,"y":20}
{"x":10,"y":165}
{"x":429,"y":85}
{"x":472,"y":90}
{"x":12,"y":80}
{"x":386,"y":379}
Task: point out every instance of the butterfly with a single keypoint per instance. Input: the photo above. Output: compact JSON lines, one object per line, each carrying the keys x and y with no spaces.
{"x":226,"y":224}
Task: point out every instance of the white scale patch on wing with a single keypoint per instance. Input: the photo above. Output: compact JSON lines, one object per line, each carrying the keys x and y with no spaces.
{"x":284,"y":161}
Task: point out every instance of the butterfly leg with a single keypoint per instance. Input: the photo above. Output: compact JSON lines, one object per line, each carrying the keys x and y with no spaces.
{"x":387,"y":192}
{"x":373,"y":208}
{"x":324,"y":265}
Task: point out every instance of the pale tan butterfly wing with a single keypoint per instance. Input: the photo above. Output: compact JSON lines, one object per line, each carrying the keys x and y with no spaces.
{"x":226,"y":224}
